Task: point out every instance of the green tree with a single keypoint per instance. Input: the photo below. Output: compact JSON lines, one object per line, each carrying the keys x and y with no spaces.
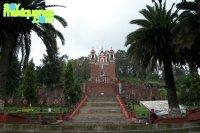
{"x":81,"y":68}
{"x":188,"y":33}
{"x":29,"y":83}
{"x":69,"y":83}
{"x":14,"y":77}
{"x":189,"y":89}
{"x":154,"y":41}
{"x":76,"y":92}
{"x":126,"y":67}
{"x":72,"y":90}
{"x":17,"y":36}
{"x":51,"y":72}
{"x":194,"y":88}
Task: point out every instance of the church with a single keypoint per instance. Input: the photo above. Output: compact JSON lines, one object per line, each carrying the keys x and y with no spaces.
{"x":102,"y":67}
{"x":103,"y":80}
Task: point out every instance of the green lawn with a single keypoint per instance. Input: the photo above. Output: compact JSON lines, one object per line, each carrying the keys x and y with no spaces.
{"x":33,"y":110}
{"x":141,"y":111}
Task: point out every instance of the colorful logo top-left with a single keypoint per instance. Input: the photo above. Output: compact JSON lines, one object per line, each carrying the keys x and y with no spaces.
{"x":39,"y":16}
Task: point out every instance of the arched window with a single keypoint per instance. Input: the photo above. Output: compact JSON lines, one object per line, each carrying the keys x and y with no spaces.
{"x":102,"y":60}
{"x":111,"y":57}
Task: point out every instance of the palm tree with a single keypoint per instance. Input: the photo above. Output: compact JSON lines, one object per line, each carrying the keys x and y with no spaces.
{"x":153,"y":42}
{"x":188,"y":33}
{"x":15,"y":34}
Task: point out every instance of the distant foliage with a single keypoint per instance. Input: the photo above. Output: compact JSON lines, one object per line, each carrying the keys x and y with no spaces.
{"x":163,"y":91}
{"x":194,"y":86}
{"x":81,"y":68}
{"x":51,"y":72}
{"x":29,"y":83}
{"x":125,"y":67}
{"x":189,"y":89}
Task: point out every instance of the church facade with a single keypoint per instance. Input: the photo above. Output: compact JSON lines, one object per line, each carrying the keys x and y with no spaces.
{"x":102,"y":67}
{"x":103,"y":81}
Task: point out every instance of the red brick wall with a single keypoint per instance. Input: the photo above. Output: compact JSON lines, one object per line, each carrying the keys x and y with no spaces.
{"x":93,"y":71}
{"x":13,"y":119}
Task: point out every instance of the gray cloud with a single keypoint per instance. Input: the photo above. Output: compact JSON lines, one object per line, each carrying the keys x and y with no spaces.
{"x":93,"y":24}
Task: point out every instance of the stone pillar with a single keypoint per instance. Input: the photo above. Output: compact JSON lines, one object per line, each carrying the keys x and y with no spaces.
{"x":40,"y":118}
{"x":60,"y":116}
{"x":84,"y":86}
{"x":120,"y":87}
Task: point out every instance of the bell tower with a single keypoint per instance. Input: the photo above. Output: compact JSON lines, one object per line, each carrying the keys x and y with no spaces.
{"x":92,"y":56}
{"x":111,"y":56}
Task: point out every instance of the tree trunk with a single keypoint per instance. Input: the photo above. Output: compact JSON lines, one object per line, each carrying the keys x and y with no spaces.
{"x":6,"y":55}
{"x":169,"y":81}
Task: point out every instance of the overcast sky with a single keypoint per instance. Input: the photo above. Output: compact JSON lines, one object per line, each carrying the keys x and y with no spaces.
{"x":93,"y":24}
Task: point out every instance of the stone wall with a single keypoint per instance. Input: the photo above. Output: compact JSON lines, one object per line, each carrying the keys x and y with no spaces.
{"x":139,"y":92}
{"x":105,"y":128}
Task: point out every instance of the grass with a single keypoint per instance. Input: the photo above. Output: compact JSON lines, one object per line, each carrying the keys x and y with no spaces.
{"x":141,"y":111}
{"x":34,"y":110}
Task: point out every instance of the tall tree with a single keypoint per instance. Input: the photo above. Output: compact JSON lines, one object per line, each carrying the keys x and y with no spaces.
{"x":18,"y":36}
{"x":14,"y":77}
{"x":69,"y":83}
{"x":154,"y":41}
{"x":29,"y":83}
{"x":51,"y":72}
{"x":126,"y":67}
{"x":81,"y":68}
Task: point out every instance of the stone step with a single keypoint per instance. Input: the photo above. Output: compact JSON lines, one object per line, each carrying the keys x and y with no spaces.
{"x":101,"y":110}
{"x":99,"y":117}
{"x":102,"y":99}
{"x":100,"y":103}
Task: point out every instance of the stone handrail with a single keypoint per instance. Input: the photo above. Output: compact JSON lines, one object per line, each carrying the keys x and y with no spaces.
{"x":77,"y":108}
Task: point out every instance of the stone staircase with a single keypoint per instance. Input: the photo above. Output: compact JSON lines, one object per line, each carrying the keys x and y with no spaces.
{"x":101,"y":110}
{"x":101,"y":115}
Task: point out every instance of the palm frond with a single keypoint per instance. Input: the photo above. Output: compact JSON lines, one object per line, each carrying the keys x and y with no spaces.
{"x":141,"y":22}
{"x":61,"y":20}
{"x":60,"y":35}
{"x":187,"y":6}
{"x":55,"y":6}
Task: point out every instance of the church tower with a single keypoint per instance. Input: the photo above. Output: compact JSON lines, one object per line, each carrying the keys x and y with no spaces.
{"x":92,"y":56}
{"x":102,"y":67}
